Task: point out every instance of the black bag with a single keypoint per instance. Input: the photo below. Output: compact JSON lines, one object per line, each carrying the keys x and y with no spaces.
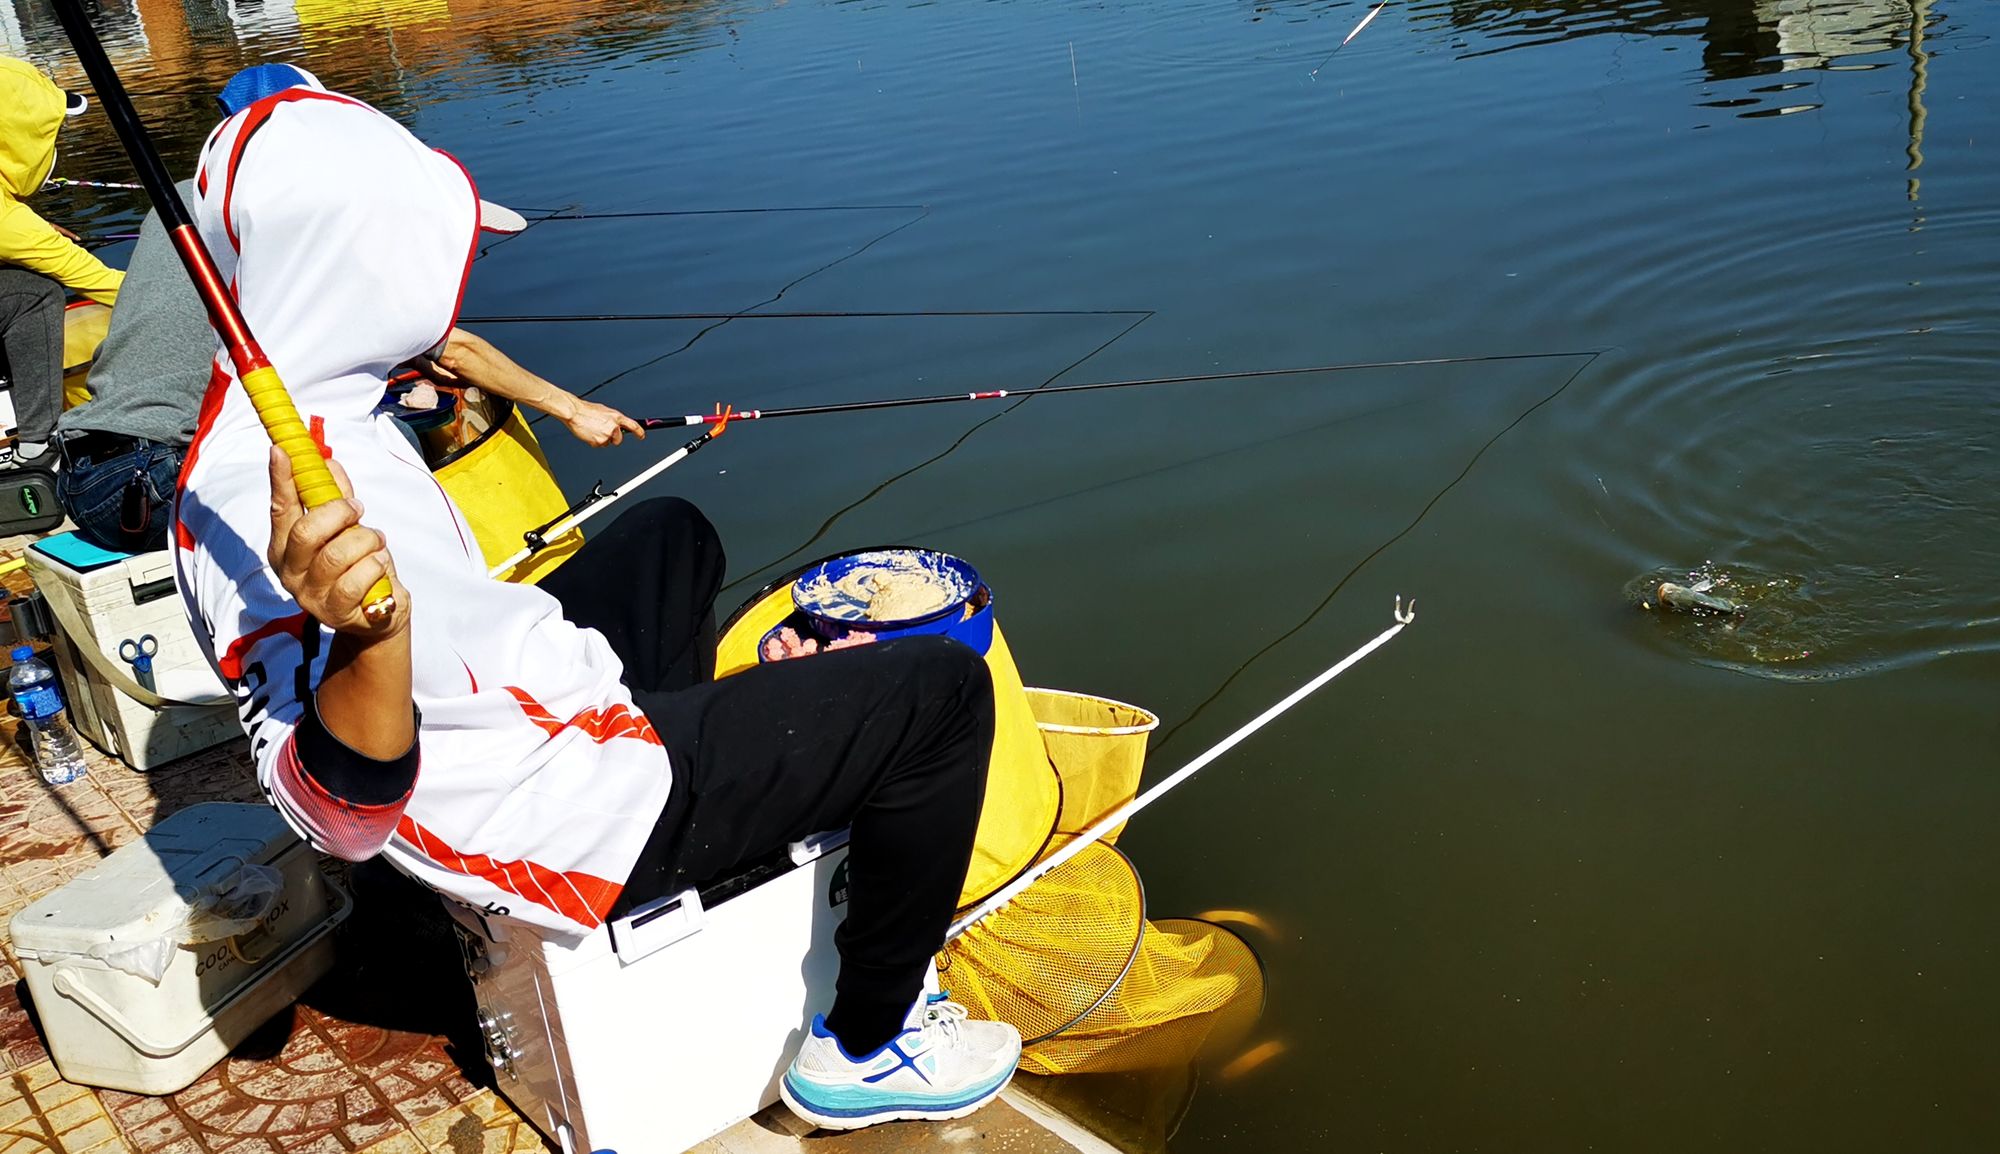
{"x":28,"y":501}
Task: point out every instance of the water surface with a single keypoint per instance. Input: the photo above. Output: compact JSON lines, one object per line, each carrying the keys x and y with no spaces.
{"x":1551,"y":872}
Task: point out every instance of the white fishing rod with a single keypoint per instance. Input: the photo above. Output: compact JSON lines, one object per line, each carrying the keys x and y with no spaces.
{"x":1123,"y":814}
{"x":597,"y":501}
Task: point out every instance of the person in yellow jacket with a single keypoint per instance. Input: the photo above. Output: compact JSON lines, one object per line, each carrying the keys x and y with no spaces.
{"x":38,"y":260}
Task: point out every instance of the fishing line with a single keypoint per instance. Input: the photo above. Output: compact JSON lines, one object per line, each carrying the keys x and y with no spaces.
{"x":1372,"y":14}
{"x":1022,"y":399}
{"x":1169,"y":732}
{"x":935,"y":531}
{"x":1117,"y":818}
{"x":1046,"y":389}
{"x":772,"y":299}
{"x":571,"y":212}
{"x":532,"y":222}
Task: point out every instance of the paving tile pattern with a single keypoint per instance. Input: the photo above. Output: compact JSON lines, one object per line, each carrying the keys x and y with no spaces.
{"x":312,"y":1081}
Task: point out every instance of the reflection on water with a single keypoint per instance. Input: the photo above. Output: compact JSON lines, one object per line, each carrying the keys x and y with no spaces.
{"x":174,"y":55}
{"x":1740,"y":40}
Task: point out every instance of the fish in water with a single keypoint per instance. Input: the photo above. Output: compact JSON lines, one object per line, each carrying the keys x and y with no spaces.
{"x":1693,"y":599}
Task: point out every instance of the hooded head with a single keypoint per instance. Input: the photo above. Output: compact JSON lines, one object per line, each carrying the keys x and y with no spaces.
{"x":32,"y":109}
{"x":346,"y":239}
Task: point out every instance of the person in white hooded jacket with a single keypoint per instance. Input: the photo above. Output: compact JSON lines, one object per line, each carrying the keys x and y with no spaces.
{"x":556,"y":754}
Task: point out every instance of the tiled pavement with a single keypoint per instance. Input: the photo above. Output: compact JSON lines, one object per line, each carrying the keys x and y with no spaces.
{"x":364,"y":1063}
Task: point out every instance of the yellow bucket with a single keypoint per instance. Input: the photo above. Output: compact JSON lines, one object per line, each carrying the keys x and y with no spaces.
{"x":84,"y":326}
{"x":1023,"y":796}
{"x":492,"y":467}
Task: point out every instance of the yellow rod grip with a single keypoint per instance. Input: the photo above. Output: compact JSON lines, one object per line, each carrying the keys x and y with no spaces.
{"x":309,"y":472}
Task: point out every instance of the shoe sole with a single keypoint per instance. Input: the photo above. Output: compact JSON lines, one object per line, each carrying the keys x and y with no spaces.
{"x":910,"y":1114}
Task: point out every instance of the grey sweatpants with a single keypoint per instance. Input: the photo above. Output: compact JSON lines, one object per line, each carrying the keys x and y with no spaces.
{"x":31,"y":330}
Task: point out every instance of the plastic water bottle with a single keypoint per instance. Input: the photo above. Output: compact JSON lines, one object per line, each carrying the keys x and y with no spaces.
{"x":33,"y":685}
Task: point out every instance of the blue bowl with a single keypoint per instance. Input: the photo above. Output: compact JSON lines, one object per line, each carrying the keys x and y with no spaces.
{"x":826,"y":604}
{"x":975,"y":630}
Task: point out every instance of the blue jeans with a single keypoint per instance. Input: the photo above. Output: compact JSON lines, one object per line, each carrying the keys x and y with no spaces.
{"x":120,"y":492}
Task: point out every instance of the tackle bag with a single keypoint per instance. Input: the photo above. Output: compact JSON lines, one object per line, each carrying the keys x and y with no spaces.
{"x":28,"y":501}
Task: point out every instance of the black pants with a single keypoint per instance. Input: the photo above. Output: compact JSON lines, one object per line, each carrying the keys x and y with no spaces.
{"x":889,"y":741}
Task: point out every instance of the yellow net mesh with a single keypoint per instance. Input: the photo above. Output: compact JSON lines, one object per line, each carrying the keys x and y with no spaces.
{"x":1098,"y":747}
{"x":1177,"y":988}
{"x":1193,"y":991}
{"x":1044,"y":962}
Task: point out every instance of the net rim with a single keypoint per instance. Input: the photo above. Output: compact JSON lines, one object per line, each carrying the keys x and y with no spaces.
{"x":1131,"y":959}
{"x":1152,"y":722}
{"x":1256,"y":955}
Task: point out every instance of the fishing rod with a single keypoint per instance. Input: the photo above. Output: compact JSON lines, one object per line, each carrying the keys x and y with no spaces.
{"x":642,"y":214}
{"x":66,"y":182}
{"x":261,"y":382}
{"x":597,"y":500}
{"x":1124,"y":813}
{"x":1372,"y":14}
{"x":808,"y":315}
{"x":995,"y":394}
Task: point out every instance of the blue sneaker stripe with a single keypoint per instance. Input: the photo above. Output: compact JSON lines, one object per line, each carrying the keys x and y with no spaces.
{"x":804,"y":1093}
{"x":905,"y":1060}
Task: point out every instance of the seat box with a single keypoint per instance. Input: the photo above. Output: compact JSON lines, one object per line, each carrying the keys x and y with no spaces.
{"x":90,"y":950}
{"x":661,"y":1030}
{"x":118,"y":597}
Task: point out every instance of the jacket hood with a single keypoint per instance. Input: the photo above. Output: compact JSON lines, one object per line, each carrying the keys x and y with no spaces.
{"x":345,"y":239}
{"x":31,"y":110}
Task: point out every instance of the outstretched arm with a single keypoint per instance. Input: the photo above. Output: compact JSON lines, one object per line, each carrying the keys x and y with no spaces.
{"x":38,"y":246}
{"x":474,"y":360}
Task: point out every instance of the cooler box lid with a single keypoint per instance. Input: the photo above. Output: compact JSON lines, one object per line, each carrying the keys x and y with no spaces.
{"x":146,"y":889}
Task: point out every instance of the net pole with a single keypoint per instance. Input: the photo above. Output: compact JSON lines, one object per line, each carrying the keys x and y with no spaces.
{"x":1124,"y":813}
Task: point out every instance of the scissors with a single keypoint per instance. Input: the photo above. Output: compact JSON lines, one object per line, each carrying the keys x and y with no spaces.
{"x":139,"y":655}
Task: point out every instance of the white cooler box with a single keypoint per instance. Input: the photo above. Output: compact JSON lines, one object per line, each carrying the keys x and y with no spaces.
{"x":665,"y":1028}
{"x":115,"y":597}
{"x":151,"y":967}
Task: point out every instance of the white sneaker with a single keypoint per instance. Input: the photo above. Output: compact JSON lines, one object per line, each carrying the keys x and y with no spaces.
{"x":943,"y":1065}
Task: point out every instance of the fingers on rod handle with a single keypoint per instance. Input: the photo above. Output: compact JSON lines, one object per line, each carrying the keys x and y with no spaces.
{"x":310,"y":474}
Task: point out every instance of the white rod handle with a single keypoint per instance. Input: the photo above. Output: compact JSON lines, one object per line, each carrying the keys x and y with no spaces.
{"x":595,"y":507}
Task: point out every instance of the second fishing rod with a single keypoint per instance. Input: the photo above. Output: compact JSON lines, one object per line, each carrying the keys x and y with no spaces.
{"x":599,"y":499}
{"x":693,"y":419}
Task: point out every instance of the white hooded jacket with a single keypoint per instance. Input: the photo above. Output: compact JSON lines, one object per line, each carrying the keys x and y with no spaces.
{"x":347,"y":242}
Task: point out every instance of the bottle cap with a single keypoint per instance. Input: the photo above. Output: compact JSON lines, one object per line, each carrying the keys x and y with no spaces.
{"x":22,"y":653}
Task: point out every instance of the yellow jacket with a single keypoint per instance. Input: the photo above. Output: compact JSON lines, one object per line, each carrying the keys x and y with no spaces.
{"x":31,"y":110}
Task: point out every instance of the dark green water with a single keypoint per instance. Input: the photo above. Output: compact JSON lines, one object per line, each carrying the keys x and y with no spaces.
{"x":1550,"y":872}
